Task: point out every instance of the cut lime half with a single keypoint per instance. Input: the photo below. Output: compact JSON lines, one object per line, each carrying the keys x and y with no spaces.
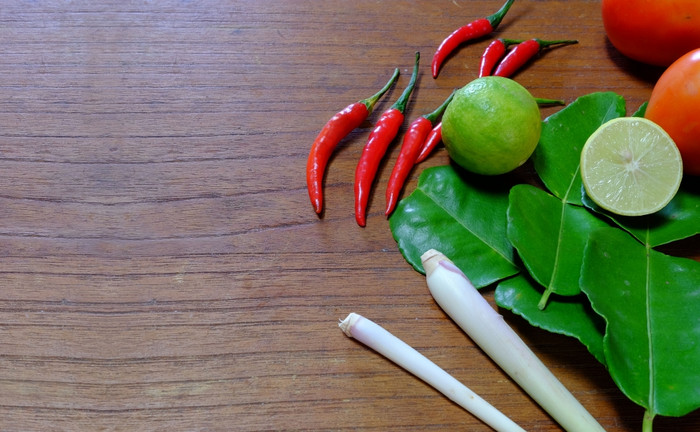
{"x":630,"y":166}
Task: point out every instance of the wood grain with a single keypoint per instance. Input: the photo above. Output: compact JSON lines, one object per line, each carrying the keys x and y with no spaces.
{"x":160,"y":264}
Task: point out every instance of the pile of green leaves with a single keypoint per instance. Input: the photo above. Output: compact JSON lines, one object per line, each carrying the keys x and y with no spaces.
{"x":569,"y":267}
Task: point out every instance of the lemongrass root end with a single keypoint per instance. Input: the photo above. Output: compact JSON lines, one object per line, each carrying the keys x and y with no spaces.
{"x":346,"y":324}
{"x":431,"y":260}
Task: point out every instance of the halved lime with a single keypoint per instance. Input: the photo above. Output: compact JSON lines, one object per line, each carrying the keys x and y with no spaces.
{"x":630,"y":166}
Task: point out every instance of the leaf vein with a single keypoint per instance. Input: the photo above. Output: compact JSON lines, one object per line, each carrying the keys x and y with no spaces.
{"x":475,"y":234}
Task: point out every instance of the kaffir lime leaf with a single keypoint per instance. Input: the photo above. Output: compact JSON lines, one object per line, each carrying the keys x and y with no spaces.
{"x":630,"y":166}
{"x":492,"y":125}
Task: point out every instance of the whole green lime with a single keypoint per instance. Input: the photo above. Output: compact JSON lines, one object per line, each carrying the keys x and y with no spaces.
{"x":492,"y":125}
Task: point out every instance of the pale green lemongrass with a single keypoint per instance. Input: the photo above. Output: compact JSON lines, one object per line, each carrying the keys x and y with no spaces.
{"x":455,"y":294}
{"x":396,"y":350}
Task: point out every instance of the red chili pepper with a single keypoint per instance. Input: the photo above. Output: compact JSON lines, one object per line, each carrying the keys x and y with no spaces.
{"x":431,"y":141}
{"x":522,"y":53}
{"x":475,"y":29}
{"x":412,"y":143}
{"x":384,"y":132}
{"x":493,"y":54}
{"x":337,"y":128}
{"x":435,"y":136}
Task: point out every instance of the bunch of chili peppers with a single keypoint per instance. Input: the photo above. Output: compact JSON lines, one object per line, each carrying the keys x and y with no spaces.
{"x":425,"y":132}
{"x":337,"y":128}
{"x":344,"y":122}
{"x":521,"y":54}
{"x":496,"y":59}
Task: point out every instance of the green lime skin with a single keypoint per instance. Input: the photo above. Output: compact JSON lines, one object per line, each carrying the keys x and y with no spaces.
{"x":492,"y":126}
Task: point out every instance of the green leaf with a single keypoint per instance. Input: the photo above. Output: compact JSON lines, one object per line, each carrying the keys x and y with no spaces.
{"x":463,"y":216}
{"x":641,"y":110}
{"x":550,"y":237}
{"x":570,"y":316}
{"x":680,"y":219}
{"x":650,"y":302}
{"x":558,"y":154}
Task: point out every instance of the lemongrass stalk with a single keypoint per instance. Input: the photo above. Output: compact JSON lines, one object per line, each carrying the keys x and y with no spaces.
{"x":396,"y":350}
{"x":455,"y":294}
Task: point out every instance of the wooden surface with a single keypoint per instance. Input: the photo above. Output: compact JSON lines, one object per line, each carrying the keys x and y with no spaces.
{"x":160,"y":263}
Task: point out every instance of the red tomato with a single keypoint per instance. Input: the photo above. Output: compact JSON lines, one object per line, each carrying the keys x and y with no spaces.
{"x":674,"y":106}
{"x":656,"y":32}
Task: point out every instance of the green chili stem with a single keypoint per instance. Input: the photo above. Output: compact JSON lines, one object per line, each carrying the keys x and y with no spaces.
{"x":372,"y":100}
{"x":509,"y":42}
{"x":546,"y":43}
{"x":400,"y":104}
{"x":439,"y":110}
{"x":541,"y":101}
{"x":497,"y":17}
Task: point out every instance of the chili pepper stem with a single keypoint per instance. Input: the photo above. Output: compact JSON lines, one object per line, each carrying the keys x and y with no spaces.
{"x":497,"y":17}
{"x":542,"y":102}
{"x":433,"y":116}
{"x":372,"y":100}
{"x":509,"y":42}
{"x":401,"y":102}
{"x":544,"y":43}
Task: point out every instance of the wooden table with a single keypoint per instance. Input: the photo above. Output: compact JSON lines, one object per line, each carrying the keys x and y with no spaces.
{"x":160,"y":263}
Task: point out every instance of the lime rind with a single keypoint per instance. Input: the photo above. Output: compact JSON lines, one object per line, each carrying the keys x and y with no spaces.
{"x":631,"y":167}
{"x":492,"y":126}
